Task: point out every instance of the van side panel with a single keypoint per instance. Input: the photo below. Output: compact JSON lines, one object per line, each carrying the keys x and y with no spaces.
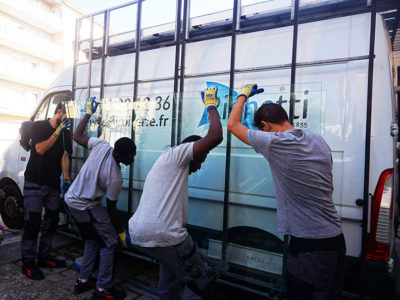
{"x":331,"y":101}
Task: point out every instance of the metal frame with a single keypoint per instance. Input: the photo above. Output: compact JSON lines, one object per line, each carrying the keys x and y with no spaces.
{"x":295,"y":18}
{"x":178,"y":29}
{"x":366,"y":198}
{"x":134,"y":98}
{"x":184,"y":34}
{"x":225,"y":216}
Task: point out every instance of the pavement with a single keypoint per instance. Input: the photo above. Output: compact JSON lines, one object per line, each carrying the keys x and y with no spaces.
{"x":138,"y":277}
{"x":58,"y":283}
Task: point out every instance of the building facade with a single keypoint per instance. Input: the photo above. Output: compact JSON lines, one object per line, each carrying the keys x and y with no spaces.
{"x":36,"y":43}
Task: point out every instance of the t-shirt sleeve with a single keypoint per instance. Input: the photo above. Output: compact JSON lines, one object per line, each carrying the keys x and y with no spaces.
{"x":95,"y":142}
{"x":183,"y":154}
{"x":259,"y":140}
{"x":113,"y":189}
{"x":38,"y":133}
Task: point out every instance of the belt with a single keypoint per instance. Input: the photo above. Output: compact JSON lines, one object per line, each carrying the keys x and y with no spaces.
{"x":32,"y":188}
{"x":301,"y":245}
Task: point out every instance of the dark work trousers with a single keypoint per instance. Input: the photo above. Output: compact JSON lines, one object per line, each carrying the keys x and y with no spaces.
{"x":316,"y":274}
{"x":35,"y":197}
{"x":180,"y":264}
{"x":99,"y":235}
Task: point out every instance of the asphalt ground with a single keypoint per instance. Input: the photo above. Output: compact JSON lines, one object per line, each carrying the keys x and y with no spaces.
{"x":138,"y":277}
{"x":58,"y":283}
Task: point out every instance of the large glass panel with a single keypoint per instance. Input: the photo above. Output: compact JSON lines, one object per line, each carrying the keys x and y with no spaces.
{"x":150,"y":116}
{"x":206,"y":186}
{"x":153,"y":129}
{"x":254,"y":243}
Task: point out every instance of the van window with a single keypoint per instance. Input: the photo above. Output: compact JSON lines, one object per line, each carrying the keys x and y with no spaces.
{"x":46,"y":110}
{"x":42,"y":112}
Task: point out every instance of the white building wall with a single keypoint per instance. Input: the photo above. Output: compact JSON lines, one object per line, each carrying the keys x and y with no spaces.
{"x":36,"y":43}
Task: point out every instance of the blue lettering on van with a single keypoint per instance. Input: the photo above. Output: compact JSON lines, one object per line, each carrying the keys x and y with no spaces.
{"x":251,"y":107}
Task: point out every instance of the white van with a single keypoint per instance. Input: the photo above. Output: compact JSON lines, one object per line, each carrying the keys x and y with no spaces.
{"x":232,"y":210}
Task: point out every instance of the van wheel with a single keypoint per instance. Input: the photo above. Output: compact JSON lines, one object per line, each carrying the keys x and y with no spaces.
{"x":10,"y":206}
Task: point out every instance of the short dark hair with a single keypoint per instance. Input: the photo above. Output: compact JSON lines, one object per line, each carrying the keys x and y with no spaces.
{"x":270,"y":112}
{"x":125,"y":146}
{"x":191,"y":138}
{"x":60,"y":106}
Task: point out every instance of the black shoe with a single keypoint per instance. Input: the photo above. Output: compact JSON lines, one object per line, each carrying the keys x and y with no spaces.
{"x":109,"y":294}
{"x":81,"y":287}
{"x":32,"y":271}
{"x":51,"y":262}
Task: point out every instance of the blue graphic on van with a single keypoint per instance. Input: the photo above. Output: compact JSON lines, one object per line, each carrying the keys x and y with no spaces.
{"x":222,"y":106}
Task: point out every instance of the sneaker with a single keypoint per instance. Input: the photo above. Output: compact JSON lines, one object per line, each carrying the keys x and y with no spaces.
{"x":81,"y":287}
{"x":32,"y":271}
{"x":51,"y":262}
{"x":108,"y":294}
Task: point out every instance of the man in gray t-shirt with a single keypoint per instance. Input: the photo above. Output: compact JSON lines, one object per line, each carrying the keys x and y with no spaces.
{"x":158,"y":225}
{"x":99,"y":176}
{"x":301,"y":167}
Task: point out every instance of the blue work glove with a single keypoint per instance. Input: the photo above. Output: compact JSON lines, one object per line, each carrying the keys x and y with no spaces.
{"x":91,"y":106}
{"x":65,"y":186}
{"x":209,"y":97}
{"x":64,"y":125}
{"x":249,"y":90}
{"x":125,"y":239}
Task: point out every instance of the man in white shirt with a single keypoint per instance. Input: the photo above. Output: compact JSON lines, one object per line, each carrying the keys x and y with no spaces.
{"x":158,"y":225}
{"x":99,"y":176}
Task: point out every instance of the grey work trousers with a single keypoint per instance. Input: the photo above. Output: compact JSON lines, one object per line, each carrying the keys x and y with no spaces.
{"x":35,"y":197}
{"x":180,"y":264}
{"x":99,"y":235}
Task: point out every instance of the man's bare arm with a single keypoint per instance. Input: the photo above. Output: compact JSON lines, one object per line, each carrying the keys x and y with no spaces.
{"x":79,"y":133}
{"x":114,"y":216}
{"x":42,"y":147}
{"x":234,"y":122}
{"x":66,"y":167}
{"x":213,"y":137}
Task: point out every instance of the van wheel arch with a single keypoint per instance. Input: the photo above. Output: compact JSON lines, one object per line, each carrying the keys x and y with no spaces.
{"x":11,"y":205}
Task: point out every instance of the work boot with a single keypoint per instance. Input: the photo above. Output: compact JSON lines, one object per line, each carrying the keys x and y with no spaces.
{"x":32,"y":271}
{"x":108,"y":294}
{"x":51,"y":262}
{"x":81,"y":287}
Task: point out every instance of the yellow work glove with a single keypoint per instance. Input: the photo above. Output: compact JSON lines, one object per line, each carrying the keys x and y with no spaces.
{"x":64,"y":125}
{"x":209,"y":97}
{"x":249,"y":90}
{"x":91,"y":106}
{"x":125,"y":239}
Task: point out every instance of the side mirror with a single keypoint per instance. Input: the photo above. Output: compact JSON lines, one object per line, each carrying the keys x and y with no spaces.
{"x":25,"y":132}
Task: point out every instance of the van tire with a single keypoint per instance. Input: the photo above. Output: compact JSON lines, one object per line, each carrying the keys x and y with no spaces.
{"x":10,"y":206}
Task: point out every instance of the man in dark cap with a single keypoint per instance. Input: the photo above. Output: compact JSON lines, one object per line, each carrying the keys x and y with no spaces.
{"x":99,"y":176}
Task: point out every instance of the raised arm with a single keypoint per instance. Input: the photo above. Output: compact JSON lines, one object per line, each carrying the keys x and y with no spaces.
{"x":79,"y":133}
{"x":235,"y":125}
{"x":214,"y":135}
{"x":42,"y":147}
